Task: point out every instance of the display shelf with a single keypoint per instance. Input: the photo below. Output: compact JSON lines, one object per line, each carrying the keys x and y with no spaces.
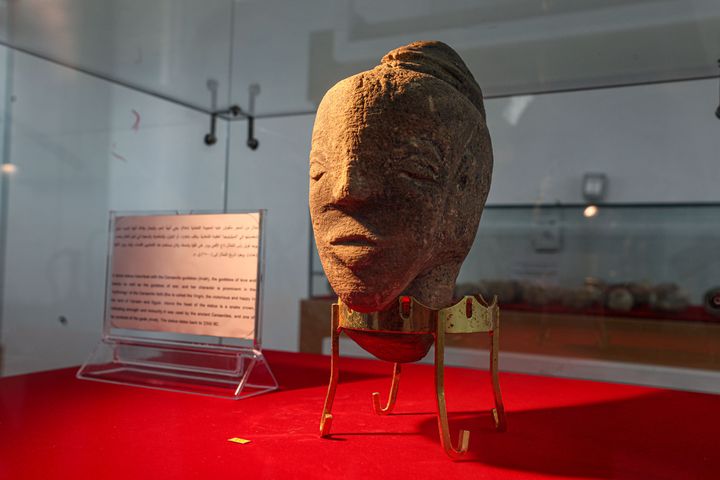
{"x":570,"y":336}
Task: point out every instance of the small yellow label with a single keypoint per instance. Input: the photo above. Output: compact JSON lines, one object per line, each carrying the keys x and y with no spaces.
{"x":241,"y":441}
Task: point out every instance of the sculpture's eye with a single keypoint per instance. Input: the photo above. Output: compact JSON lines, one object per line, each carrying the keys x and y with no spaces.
{"x":417,"y":174}
{"x":316,"y":172}
{"x":416,"y":161}
{"x":416,"y":169}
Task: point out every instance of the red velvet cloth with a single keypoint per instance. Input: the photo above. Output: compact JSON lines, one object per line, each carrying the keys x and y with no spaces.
{"x":54,"y":426}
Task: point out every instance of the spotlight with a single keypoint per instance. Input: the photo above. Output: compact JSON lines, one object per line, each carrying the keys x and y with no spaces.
{"x":590,"y":211}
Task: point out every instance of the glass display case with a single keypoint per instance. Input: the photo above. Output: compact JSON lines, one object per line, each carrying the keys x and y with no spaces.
{"x":105,"y":105}
{"x":624,"y":283}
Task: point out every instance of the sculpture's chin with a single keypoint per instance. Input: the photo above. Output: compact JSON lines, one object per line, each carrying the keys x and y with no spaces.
{"x":371,"y":279}
{"x":367,"y":301}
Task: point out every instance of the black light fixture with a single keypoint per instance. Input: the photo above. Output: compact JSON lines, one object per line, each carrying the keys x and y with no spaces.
{"x":717,"y":110}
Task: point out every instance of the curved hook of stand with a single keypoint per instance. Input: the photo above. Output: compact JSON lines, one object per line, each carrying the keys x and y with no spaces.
{"x":463,"y":440}
{"x":325,"y":424}
{"x":499,"y":418}
{"x":443,"y":424}
{"x":377,"y":406}
{"x":463,"y":444}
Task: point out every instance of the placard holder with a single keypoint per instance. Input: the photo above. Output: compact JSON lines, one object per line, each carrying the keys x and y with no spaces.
{"x":232,"y":373}
{"x":232,"y":368}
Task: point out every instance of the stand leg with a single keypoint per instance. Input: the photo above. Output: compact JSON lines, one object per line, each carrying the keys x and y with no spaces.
{"x":498,"y":412}
{"x":443,"y":427}
{"x":326,"y":419}
{"x":379,"y":409}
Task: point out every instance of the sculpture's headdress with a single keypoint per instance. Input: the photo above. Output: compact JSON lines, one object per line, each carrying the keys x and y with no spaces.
{"x":440,"y":61}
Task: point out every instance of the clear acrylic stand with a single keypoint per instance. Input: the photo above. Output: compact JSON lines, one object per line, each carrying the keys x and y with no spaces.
{"x":231,"y":373}
{"x":224,"y":367}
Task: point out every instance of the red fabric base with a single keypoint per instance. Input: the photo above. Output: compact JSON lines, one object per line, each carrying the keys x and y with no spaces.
{"x":54,"y":426}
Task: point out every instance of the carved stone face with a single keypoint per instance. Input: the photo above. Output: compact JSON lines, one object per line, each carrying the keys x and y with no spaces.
{"x":399,"y":173}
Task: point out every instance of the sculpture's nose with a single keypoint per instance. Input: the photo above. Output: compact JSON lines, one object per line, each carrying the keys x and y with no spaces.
{"x":354,"y":186}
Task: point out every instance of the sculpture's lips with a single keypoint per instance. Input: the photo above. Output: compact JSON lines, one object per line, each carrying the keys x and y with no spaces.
{"x":354,"y":240}
{"x":355,"y":251}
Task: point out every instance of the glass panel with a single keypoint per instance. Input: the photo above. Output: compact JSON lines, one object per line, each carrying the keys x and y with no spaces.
{"x":518,"y":47}
{"x":655,"y":143}
{"x":82,"y":147}
{"x":275,"y":177}
{"x":565,"y":276}
{"x":616,"y":244}
{"x":177,"y":48}
{"x":6,"y":169}
{"x":635,"y":284}
{"x":629,"y":283}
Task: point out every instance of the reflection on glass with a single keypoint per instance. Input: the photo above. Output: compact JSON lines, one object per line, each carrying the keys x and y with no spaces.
{"x":169,"y":47}
{"x":8,"y":168}
{"x":637,"y":284}
{"x":512,"y":48}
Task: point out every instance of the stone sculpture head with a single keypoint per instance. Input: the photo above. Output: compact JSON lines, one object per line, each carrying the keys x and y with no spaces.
{"x":400,"y":169}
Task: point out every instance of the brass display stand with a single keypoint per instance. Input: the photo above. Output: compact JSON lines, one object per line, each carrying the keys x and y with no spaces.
{"x":469,"y":315}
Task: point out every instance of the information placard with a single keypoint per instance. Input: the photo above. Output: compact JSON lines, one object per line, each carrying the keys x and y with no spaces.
{"x":182,"y":306}
{"x":194,"y":274}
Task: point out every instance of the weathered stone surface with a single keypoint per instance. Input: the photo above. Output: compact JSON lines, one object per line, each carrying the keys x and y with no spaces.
{"x":400,"y":169}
